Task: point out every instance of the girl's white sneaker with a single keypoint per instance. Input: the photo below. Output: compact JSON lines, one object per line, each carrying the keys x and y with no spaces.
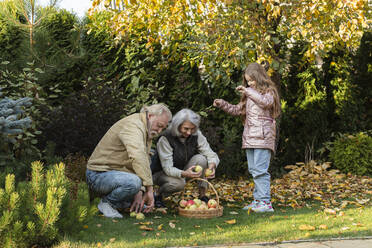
{"x":262,"y":207}
{"x":251,"y":205}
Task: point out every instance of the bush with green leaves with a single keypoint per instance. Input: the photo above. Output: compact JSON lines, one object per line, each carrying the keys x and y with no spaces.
{"x":38,"y":212}
{"x":84,"y":117}
{"x":352,"y":153}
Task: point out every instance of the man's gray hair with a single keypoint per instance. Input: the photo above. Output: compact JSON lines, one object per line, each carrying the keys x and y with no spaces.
{"x":182,"y":116}
{"x":157,"y":109}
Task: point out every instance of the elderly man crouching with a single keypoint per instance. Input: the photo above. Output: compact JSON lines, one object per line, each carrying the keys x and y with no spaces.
{"x":119,"y":168}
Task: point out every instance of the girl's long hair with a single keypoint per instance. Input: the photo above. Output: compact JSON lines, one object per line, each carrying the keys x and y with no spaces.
{"x":263,"y":85}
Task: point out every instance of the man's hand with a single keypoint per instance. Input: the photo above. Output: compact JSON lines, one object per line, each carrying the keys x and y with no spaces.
{"x":136,"y":204}
{"x":189,"y":173}
{"x":148,"y":198}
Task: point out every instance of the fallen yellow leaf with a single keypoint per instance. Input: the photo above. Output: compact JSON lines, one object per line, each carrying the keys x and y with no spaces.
{"x":112,"y":239}
{"x":233,"y":221}
{"x":146,"y":228}
{"x":306,"y":228}
{"x":322,"y":227}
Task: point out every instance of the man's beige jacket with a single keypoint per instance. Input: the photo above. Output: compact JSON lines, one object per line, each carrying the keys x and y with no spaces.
{"x":125,"y":147}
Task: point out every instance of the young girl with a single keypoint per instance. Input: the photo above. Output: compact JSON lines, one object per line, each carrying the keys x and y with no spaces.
{"x":259,"y":106}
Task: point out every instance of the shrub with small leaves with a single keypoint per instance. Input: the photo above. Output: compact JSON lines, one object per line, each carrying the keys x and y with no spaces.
{"x":37,"y":212}
{"x":352,"y":153}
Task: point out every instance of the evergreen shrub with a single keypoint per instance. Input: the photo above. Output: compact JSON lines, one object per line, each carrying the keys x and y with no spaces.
{"x":352,"y":153}
{"x":38,"y":212}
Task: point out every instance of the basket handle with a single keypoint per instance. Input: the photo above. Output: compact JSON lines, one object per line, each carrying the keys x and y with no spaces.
{"x":201,"y":179}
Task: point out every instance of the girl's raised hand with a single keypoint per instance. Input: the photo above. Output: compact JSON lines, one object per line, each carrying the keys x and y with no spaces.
{"x":217,"y":102}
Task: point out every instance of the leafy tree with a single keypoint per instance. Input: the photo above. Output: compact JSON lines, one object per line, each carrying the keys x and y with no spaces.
{"x":228,"y":34}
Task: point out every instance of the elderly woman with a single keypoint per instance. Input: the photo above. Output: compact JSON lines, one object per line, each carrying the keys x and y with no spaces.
{"x":179,"y":149}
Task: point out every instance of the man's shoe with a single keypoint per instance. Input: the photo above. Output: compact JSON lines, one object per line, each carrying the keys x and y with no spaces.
{"x":108,"y":211}
{"x":263,"y":206}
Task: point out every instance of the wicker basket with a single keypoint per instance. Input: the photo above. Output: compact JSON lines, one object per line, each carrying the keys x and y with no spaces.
{"x":205,"y":213}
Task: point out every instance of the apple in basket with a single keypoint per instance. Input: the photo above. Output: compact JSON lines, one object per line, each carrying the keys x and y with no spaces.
{"x":197,"y":202}
{"x":192,"y":207}
{"x":190,"y":203}
{"x":203,"y":207}
{"x":183,"y":203}
{"x":212,"y":203}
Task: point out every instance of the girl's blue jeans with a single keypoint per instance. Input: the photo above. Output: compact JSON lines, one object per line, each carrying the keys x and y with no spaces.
{"x":258,"y":165}
{"x":116,"y":187}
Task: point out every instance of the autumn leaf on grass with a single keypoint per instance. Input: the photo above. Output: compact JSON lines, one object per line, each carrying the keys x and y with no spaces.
{"x":322,"y":227}
{"x":160,"y":227}
{"x":358,"y":224}
{"x":306,"y":228}
{"x":233,"y":221}
{"x":218,"y":227}
{"x":161,"y":210}
{"x":146,"y":223}
{"x":112,"y":240}
{"x":85,"y":226}
{"x":146,"y":228}
{"x":172,"y":225}
{"x":329,"y":211}
{"x":233,"y":212}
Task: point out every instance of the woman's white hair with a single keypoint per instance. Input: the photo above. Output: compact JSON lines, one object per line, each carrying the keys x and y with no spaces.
{"x":182,"y":116}
{"x":157,"y":109}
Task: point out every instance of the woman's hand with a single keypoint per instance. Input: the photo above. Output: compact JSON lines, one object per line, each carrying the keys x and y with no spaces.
{"x":189,"y":173}
{"x":217,"y":102}
{"x":212,"y":171}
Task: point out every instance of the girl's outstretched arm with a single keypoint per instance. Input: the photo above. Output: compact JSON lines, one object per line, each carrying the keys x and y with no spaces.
{"x":227,"y":107}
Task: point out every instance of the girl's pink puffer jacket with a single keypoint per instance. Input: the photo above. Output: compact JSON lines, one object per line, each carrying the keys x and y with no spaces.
{"x":259,"y":126}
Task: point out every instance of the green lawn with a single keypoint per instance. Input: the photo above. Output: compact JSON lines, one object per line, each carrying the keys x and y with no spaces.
{"x":283,"y":224}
